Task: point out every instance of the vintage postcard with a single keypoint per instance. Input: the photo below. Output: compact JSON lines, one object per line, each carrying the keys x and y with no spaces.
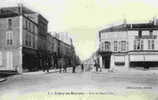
{"x":78,"y":50}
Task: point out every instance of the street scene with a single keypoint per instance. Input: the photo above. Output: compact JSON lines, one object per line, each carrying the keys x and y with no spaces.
{"x":78,"y":48}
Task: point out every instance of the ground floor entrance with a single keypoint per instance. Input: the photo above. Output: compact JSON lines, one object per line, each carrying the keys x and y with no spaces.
{"x":106,"y":59}
{"x":29,"y":60}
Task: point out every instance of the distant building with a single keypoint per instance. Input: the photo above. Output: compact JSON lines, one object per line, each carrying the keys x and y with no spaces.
{"x":129,"y":45}
{"x":63,"y":36}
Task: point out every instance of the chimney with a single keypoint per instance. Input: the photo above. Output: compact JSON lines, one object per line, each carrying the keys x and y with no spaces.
{"x":20,"y":7}
{"x":124,"y":22}
{"x":131,"y":26}
{"x":154,"y":21}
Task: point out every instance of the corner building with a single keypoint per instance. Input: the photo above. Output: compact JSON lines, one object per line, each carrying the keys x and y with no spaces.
{"x":126,"y":46}
{"x":20,"y":31}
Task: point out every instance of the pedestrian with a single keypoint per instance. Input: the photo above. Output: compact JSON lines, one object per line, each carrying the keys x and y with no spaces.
{"x":73,"y":65}
{"x":60,"y":66}
{"x":65,"y":67}
{"x":96,"y":66}
{"x":82,"y":67}
{"x":47,"y":66}
{"x":73,"y":69}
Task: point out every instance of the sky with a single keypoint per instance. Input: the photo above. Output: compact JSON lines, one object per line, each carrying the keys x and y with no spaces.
{"x":82,"y":19}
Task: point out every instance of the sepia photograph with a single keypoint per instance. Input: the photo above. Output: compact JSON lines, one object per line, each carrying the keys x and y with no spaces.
{"x":78,"y":50}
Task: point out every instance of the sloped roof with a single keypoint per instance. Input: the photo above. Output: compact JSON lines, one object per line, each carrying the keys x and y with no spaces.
{"x":14,"y":11}
{"x":124,"y":27}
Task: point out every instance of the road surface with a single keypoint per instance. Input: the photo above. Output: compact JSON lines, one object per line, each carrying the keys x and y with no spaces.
{"x":109,"y":82}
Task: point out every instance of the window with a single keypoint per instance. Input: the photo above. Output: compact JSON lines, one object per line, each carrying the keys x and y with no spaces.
{"x":33,"y":28}
{"x":123,"y":45}
{"x":26,"y":39}
{"x":151,"y":44}
{"x":139,"y":34}
{"x":142,"y":45}
{"x":150,"y":32}
{"x":33,"y":42}
{"x":138,"y":44}
{"x":29,"y":26}
{"x":9,"y":24}
{"x":135,"y":44}
{"x":119,"y":60}
{"x":26,"y":24}
{"x":102,"y":47}
{"x":115,"y":45}
{"x":29,"y":39}
{"x":9,"y":37}
{"x":107,"y":46}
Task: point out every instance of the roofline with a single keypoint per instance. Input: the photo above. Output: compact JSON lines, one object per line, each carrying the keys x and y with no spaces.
{"x":128,"y":27}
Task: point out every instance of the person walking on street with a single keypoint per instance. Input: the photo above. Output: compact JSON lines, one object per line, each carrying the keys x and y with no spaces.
{"x":96,"y":66}
{"x":82,"y":67}
{"x":47,"y":66}
{"x":73,"y":69}
{"x":60,"y":65}
{"x":65,"y":67}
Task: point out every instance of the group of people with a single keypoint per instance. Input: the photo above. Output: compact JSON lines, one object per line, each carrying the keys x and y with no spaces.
{"x":63,"y":67}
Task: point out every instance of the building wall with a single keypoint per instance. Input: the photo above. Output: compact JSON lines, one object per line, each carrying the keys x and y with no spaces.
{"x":147,"y":54}
{"x":111,"y":37}
{"x":130,"y":51}
{"x":132,"y":36}
{"x":26,"y":45}
{"x":30,"y":33}
{"x":30,"y":36}
{"x":9,"y":43}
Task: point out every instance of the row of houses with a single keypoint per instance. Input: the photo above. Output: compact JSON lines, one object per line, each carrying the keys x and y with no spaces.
{"x":129,"y":45}
{"x":26,"y":45}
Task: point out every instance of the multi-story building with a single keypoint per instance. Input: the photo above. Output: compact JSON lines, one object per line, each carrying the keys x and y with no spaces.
{"x":129,"y":45}
{"x":25,"y":44}
{"x":23,"y":33}
{"x":42,"y":36}
{"x":18,"y":39}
